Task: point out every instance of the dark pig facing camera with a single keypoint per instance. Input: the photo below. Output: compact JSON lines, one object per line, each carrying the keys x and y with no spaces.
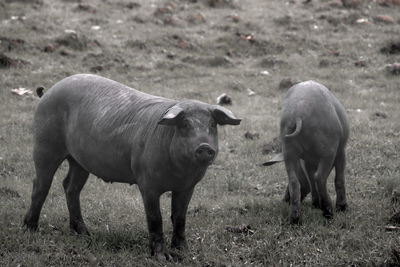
{"x":122,"y":135}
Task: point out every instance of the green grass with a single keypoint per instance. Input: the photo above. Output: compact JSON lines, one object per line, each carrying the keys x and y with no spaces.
{"x":144,"y":53}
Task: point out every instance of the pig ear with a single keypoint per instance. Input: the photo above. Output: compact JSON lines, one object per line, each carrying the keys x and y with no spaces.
{"x":224,"y":116}
{"x":277,"y":158}
{"x":171,"y":116}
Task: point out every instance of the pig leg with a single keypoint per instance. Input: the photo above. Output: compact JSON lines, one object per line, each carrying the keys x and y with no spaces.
{"x":151,"y":202}
{"x":46,"y":163}
{"x":304,"y":180}
{"x":304,"y":183}
{"x":286,"y":197}
{"x":321,"y":176}
{"x":292,"y":168}
{"x":179,"y":204}
{"x":314,"y":191}
{"x":340,"y":164}
{"x":73,"y":184}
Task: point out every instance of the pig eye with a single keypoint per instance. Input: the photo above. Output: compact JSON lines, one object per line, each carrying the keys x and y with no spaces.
{"x":185,"y":124}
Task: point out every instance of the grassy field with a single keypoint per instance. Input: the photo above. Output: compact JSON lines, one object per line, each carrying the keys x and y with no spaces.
{"x":200,"y":49}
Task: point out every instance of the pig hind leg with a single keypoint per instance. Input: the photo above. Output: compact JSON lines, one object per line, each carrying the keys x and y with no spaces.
{"x":73,"y":184}
{"x":340,"y":164}
{"x":305,"y":186}
{"x":304,"y":180}
{"x":293,"y":169}
{"x":321,"y":175}
{"x":311,"y":170}
{"x":47,"y":160}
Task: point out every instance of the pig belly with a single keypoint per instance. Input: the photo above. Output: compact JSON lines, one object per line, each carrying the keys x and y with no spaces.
{"x":106,"y":161}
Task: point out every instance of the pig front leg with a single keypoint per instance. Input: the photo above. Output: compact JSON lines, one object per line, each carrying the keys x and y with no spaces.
{"x":179,"y":205}
{"x":151,"y":202}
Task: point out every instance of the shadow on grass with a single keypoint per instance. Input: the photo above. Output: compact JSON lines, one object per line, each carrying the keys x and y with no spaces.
{"x":118,"y":240}
{"x":132,"y":242}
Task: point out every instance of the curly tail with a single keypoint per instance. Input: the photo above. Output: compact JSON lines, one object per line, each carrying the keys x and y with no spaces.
{"x":39,"y":91}
{"x":297,"y":131}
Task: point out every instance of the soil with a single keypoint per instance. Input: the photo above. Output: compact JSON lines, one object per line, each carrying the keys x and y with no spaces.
{"x":136,"y":40}
{"x":252,"y":51}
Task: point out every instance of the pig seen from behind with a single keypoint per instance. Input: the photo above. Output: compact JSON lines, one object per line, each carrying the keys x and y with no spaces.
{"x":314,"y":129}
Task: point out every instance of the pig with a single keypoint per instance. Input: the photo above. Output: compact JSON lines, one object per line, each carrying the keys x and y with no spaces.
{"x":123,"y":135}
{"x":314,"y":129}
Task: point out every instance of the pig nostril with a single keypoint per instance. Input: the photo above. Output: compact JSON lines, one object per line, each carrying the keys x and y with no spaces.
{"x":205,"y":153}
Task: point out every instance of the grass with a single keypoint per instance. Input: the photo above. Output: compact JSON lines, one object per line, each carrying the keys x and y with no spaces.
{"x":177,"y":60}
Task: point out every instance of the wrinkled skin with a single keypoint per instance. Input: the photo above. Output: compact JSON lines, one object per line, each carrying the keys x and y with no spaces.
{"x":314,"y":130}
{"x":123,"y":135}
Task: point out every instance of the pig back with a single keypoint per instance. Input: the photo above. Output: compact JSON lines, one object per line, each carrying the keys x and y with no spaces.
{"x":103,"y":122}
{"x":321,"y":128}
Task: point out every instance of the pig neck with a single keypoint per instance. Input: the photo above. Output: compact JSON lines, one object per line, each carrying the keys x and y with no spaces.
{"x":148,"y":145}
{"x":182,"y":169}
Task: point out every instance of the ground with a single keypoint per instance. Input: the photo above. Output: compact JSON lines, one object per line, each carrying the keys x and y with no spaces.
{"x":200,"y":49}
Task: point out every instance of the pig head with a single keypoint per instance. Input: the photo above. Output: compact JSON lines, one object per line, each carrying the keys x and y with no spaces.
{"x":122,"y":135}
{"x":314,"y":130}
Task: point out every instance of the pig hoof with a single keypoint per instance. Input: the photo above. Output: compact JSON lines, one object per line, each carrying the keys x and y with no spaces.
{"x":79,"y":228}
{"x":328,"y":214}
{"x":159,"y":252}
{"x":295,"y":220}
{"x":31,"y":226}
{"x":179,"y":244}
{"x":341,"y":207}
{"x":163,"y":256}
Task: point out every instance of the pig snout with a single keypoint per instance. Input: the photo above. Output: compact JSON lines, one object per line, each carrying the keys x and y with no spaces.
{"x":205,"y":153}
